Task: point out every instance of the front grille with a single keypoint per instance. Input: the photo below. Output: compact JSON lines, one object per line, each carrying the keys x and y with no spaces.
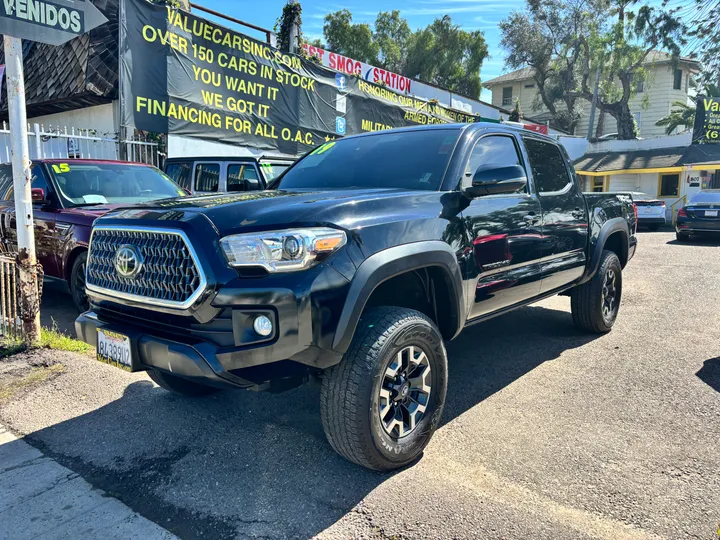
{"x":168,"y":274}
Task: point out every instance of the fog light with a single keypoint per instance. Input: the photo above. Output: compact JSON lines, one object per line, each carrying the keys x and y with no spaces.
{"x":263,"y":326}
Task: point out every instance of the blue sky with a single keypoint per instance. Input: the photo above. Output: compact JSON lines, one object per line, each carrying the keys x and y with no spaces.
{"x":481,"y":15}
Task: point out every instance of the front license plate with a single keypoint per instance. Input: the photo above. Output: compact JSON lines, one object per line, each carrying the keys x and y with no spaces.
{"x":114,"y":349}
{"x":711,"y":213}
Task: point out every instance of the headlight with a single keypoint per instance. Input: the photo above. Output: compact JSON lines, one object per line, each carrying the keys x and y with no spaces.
{"x":282,"y":251}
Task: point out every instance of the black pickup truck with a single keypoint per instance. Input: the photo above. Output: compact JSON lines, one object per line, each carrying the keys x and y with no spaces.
{"x":354,"y":268}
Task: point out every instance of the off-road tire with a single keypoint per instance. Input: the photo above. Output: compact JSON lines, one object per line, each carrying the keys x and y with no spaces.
{"x":586,"y":300}
{"x":682,"y":237}
{"x":77,"y":283}
{"x":181,"y":386}
{"x":349,"y":398}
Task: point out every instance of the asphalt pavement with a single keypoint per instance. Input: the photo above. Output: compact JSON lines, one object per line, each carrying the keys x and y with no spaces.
{"x":547,"y":432}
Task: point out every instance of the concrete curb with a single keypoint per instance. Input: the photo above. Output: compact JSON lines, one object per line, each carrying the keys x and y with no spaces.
{"x":39,"y":498}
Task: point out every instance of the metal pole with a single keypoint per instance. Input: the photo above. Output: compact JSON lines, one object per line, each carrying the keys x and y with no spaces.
{"x":594,"y":103}
{"x":28,"y":300}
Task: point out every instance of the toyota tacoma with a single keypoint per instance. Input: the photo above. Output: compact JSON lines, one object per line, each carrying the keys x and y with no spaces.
{"x":354,"y":268}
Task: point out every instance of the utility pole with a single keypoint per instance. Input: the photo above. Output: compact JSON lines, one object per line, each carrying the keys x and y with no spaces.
{"x":294,"y":32}
{"x":594,"y":103}
{"x":28,"y":293}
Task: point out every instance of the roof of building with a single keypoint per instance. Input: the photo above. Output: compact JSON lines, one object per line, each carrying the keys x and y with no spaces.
{"x":657,"y":158}
{"x":654,"y":57}
{"x":82,"y":72}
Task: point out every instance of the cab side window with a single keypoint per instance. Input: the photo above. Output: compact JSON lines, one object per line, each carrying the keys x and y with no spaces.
{"x":549,"y":170}
{"x":39,"y":180}
{"x":180,"y":172}
{"x":499,"y":150}
{"x":207,"y":176}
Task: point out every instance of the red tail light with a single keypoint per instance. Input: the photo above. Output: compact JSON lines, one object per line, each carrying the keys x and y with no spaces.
{"x":635,"y":211}
{"x":682,"y":212}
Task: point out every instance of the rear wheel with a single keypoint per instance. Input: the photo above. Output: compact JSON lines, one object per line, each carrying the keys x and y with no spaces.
{"x":382,"y":403}
{"x":77,"y":283}
{"x":595,"y":304}
{"x":178,"y":385}
{"x":682,"y":237}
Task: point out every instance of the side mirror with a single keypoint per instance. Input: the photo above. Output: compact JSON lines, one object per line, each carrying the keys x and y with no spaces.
{"x":38,"y":195}
{"x":492,"y":180}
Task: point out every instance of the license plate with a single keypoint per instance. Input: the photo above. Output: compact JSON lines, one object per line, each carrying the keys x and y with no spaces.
{"x":114,"y":348}
{"x":711,"y":213}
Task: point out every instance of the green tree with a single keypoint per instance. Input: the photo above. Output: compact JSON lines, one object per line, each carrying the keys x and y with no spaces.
{"x":350,"y":39}
{"x":683,"y":114}
{"x":570,"y":42}
{"x":618,"y":48}
{"x":516,"y":115}
{"x":392,"y":33}
{"x":544,"y":37}
{"x":703,"y":18}
{"x":445,"y":55}
{"x":441,"y":54}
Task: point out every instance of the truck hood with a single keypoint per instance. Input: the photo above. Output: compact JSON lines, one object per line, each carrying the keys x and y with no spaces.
{"x":258,"y":210}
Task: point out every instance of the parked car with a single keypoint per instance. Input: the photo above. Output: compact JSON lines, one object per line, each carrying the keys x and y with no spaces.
{"x":651,"y":212}
{"x":223,"y":174}
{"x":68,"y":195}
{"x":699,"y":216}
{"x":356,"y":266}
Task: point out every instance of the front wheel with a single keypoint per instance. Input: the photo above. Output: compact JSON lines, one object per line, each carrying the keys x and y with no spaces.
{"x":595,"y":304}
{"x":382,"y":403}
{"x":77,"y":283}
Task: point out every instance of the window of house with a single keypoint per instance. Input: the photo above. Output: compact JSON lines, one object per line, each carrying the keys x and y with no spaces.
{"x":669,"y":185}
{"x":207,"y":176}
{"x":677,"y":80}
{"x":242,"y":178}
{"x":598,"y":184}
{"x":531,"y":85}
{"x":640,"y":87}
{"x":549,"y":170}
{"x":507,"y":95}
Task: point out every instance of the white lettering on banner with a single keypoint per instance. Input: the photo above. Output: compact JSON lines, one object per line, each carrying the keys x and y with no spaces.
{"x":44,"y":13}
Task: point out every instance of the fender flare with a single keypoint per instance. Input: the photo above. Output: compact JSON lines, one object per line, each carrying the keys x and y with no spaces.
{"x":611,"y":226}
{"x":389,"y":263}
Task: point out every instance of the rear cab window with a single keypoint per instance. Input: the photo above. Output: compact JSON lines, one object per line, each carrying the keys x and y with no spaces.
{"x":549,"y":170}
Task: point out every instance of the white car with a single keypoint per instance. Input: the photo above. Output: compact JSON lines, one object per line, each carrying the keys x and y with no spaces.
{"x":651,"y":212}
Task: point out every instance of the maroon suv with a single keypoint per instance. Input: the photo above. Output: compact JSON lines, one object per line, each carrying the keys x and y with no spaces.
{"x":68,"y":195}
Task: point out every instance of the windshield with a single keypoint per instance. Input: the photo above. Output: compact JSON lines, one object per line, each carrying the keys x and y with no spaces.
{"x":84,"y":184}
{"x":273,"y":170}
{"x":406,"y":160}
{"x":706,"y":197}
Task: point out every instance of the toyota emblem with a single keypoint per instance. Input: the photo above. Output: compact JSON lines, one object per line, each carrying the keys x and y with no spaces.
{"x":128,"y":262}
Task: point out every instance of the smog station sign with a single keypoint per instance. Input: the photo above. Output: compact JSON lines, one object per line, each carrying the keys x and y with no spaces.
{"x":53,"y":23}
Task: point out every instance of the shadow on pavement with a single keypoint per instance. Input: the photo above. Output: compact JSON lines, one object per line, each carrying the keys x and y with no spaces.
{"x":710,"y":373}
{"x":258,"y":464}
{"x":703,"y":241}
{"x":57,"y":308}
